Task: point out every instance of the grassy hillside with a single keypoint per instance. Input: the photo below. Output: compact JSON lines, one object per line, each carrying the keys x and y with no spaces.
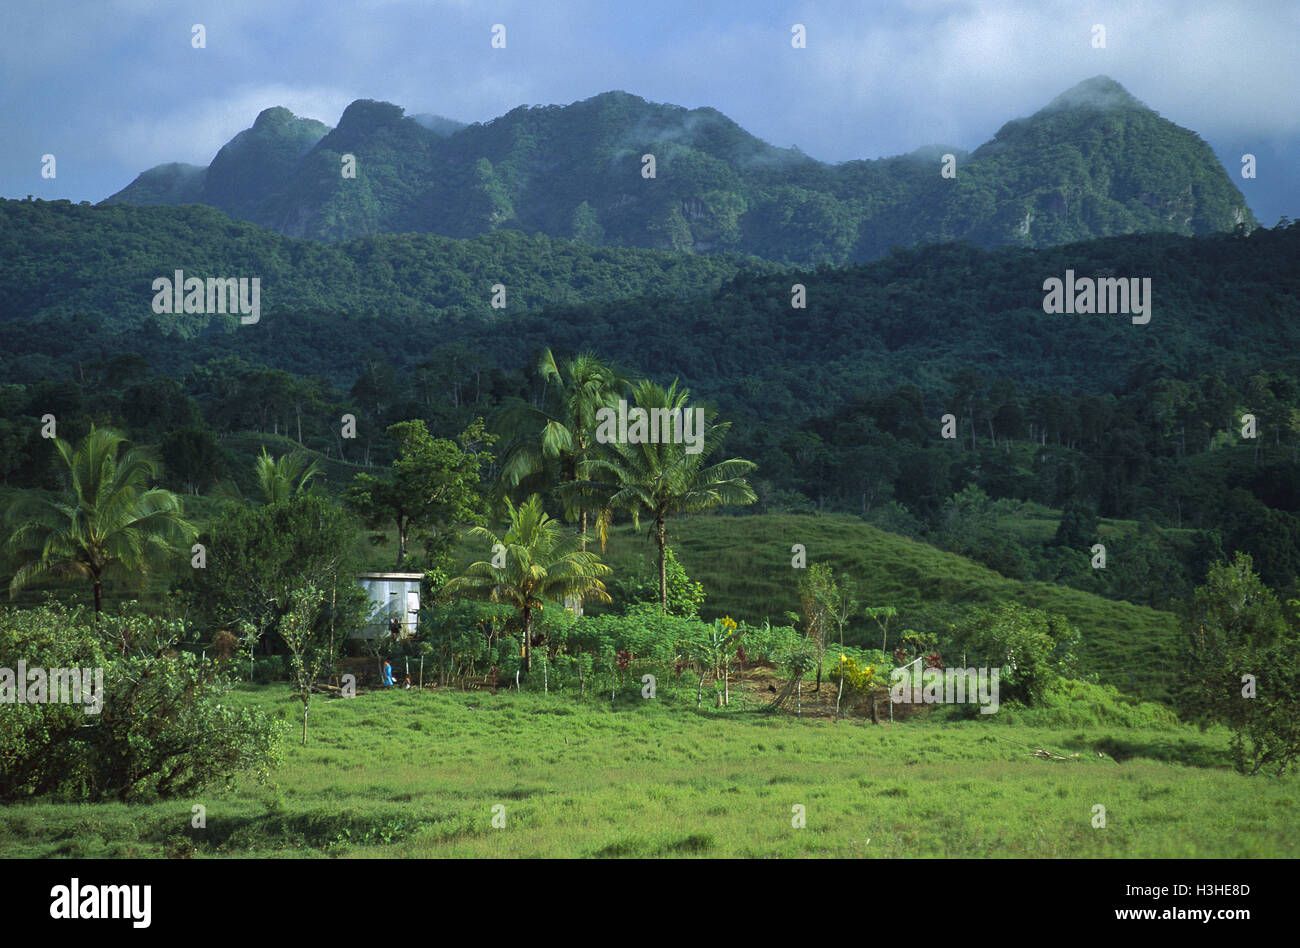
{"x":744,"y":563}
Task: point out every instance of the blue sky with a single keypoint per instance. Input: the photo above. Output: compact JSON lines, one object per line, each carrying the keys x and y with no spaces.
{"x":113,"y":87}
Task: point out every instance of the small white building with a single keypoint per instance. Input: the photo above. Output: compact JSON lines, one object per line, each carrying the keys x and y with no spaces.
{"x":393,"y":596}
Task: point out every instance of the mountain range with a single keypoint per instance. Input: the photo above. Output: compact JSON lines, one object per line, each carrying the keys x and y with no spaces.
{"x":1093,"y":162}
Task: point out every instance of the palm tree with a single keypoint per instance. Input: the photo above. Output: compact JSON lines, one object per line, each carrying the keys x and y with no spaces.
{"x":541,"y":564}
{"x":563,"y":435}
{"x":107,"y":519}
{"x":665,"y":478}
{"x":283,"y":477}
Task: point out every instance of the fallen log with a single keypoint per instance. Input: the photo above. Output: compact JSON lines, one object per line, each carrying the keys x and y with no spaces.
{"x":1038,"y":752}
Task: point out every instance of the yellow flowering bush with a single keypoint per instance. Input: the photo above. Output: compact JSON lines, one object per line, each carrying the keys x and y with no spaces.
{"x":857,"y":677}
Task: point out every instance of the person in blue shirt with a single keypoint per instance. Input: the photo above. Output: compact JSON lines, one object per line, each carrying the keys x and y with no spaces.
{"x":388,"y":675}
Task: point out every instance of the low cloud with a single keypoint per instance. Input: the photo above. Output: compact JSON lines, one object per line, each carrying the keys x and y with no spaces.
{"x":145,"y":141}
{"x":874,"y":80}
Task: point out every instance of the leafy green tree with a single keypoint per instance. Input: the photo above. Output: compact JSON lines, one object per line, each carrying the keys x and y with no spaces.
{"x":434,"y":486}
{"x":923,"y":480}
{"x":841,"y":604}
{"x":531,"y":564}
{"x":106,"y":521}
{"x":308,"y":651}
{"x":1240,"y":666}
{"x":11,"y":449}
{"x":39,"y":751}
{"x":306,"y":395}
{"x":882,"y":616}
{"x":1077,"y":528}
{"x":584,"y":225}
{"x":259,"y":559}
{"x":1144,"y":568}
{"x":968,"y":524}
{"x":1032,"y":647}
{"x":818,"y":597}
{"x":665,"y":479}
{"x":157,"y":405}
{"x":193,"y":458}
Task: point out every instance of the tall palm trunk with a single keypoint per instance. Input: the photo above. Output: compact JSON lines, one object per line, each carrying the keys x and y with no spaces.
{"x":573,"y":602}
{"x":661,"y":537}
{"x":528,"y":638}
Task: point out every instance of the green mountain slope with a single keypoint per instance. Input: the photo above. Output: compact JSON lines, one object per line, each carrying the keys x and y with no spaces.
{"x":1094,"y":162}
{"x":724,"y":323}
{"x":60,"y":259}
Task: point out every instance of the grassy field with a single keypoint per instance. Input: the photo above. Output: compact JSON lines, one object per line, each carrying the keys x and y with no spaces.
{"x":418,"y":774}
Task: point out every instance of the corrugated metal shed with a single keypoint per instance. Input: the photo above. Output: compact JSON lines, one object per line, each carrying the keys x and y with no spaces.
{"x":392,"y":596}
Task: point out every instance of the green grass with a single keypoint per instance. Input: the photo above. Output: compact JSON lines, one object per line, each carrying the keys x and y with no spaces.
{"x":1035,"y":524}
{"x":411,"y":774}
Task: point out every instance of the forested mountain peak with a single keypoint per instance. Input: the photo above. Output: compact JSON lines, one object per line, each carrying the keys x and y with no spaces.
{"x":277,"y":131}
{"x":1099,"y":92}
{"x":369,"y":115}
{"x":615,"y":122}
{"x":279,"y":119}
{"x":1097,"y":161}
{"x":259,"y":161}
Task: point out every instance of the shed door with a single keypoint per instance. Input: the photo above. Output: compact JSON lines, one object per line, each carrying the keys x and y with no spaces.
{"x":412,"y":608}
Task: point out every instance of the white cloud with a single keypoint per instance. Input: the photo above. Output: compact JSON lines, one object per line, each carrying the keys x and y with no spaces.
{"x":876,"y":79}
{"x":196,"y":133}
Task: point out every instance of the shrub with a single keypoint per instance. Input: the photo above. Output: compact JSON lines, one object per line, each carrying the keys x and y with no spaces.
{"x":162,"y":730}
{"x":685,"y":596}
{"x":1241,"y":667}
{"x":1032,"y":648}
{"x":464,"y":637}
{"x":1071,"y":703}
